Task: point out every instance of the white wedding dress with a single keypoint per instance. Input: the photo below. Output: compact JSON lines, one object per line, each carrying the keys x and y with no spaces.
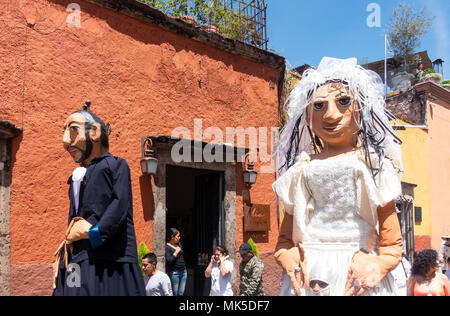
{"x":334,"y":205}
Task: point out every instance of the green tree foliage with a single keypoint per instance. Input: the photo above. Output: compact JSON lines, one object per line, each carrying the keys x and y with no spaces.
{"x":254,"y":248}
{"x":230,"y":23}
{"x":142,"y":251}
{"x":428,"y":71}
{"x":201,"y":11}
{"x":172,"y":7}
{"x":406,"y":29}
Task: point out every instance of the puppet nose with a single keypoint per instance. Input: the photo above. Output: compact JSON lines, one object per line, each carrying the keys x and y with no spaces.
{"x":332,"y":114}
{"x":66,"y":139}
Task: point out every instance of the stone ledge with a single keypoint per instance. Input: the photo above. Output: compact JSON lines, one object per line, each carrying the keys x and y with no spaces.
{"x":31,"y":280}
{"x":434,"y":89}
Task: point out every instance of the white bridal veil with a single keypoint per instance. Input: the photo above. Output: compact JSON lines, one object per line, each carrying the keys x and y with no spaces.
{"x":367,"y":88}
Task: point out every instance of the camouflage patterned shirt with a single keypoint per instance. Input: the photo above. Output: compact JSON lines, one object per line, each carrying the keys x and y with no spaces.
{"x":251,"y":277}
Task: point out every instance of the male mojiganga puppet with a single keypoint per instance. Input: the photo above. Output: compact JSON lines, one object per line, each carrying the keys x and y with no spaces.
{"x":100,"y":240}
{"x":339,"y":173}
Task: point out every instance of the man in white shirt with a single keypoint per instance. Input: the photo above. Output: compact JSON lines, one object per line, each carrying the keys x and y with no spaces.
{"x":157,"y":283}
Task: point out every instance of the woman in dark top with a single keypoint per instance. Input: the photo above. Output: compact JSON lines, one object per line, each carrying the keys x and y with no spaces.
{"x":175,"y":265}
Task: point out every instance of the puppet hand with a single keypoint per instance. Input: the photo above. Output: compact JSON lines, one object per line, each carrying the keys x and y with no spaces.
{"x":366,"y":271}
{"x":291,"y":260}
{"x":78,"y":230}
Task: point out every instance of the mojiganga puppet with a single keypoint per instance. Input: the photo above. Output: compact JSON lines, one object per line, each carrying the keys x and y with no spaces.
{"x":100,"y":240}
{"x":339,"y":174}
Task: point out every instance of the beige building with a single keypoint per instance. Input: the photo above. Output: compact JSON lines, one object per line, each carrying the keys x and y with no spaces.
{"x":423,"y":126}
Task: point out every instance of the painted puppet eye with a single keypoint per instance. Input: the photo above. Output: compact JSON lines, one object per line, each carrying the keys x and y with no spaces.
{"x":344,"y":101}
{"x":318,"y":106}
{"x":74,"y":128}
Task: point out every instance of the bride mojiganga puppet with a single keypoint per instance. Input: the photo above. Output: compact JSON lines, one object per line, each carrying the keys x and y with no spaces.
{"x":340,"y":164}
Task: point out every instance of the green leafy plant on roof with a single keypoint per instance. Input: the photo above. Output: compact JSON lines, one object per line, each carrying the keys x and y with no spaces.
{"x":142,"y":251}
{"x":445,"y":84}
{"x":428,"y":71}
{"x":171,"y":7}
{"x":431,"y":74}
{"x":254,"y":247}
{"x":230,"y":23}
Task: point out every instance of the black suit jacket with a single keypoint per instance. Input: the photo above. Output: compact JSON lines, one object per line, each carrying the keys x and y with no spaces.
{"x":106,"y":202}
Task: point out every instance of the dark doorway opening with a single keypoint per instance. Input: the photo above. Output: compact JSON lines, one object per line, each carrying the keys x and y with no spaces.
{"x":194,"y":199}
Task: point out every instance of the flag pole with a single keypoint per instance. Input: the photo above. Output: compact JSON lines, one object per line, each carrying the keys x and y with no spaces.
{"x":385,"y":63}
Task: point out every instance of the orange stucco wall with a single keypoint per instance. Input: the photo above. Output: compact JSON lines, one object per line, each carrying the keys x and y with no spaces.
{"x":142,"y":79}
{"x":439,"y":144}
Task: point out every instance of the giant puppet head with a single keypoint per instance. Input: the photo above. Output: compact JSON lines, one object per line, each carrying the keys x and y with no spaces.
{"x":334,"y":116}
{"x":338,"y":104}
{"x":85,"y":136}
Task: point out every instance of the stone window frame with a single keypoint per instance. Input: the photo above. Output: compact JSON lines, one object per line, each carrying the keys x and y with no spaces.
{"x":7,"y":133}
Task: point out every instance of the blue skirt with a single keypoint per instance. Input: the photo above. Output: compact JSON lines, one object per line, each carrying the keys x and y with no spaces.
{"x":100,"y":278}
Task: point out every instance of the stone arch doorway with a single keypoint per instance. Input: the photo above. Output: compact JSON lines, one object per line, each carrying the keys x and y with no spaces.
{"x":222,"y":173}
{"x":194,"y":200}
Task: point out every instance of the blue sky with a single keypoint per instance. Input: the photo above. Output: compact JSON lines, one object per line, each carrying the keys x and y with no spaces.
{"x":303,"y":31}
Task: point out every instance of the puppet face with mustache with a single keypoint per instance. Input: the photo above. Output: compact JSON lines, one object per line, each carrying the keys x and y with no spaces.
{"x":81,"y":138}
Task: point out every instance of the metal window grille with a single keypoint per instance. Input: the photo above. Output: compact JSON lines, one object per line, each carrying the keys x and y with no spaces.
{"x":253,"y":12}
{"x":404,"y":205}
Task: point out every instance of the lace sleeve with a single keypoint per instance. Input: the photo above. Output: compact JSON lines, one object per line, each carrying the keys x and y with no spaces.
{"x":378,"y":191}
{"x":288,"y":186}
